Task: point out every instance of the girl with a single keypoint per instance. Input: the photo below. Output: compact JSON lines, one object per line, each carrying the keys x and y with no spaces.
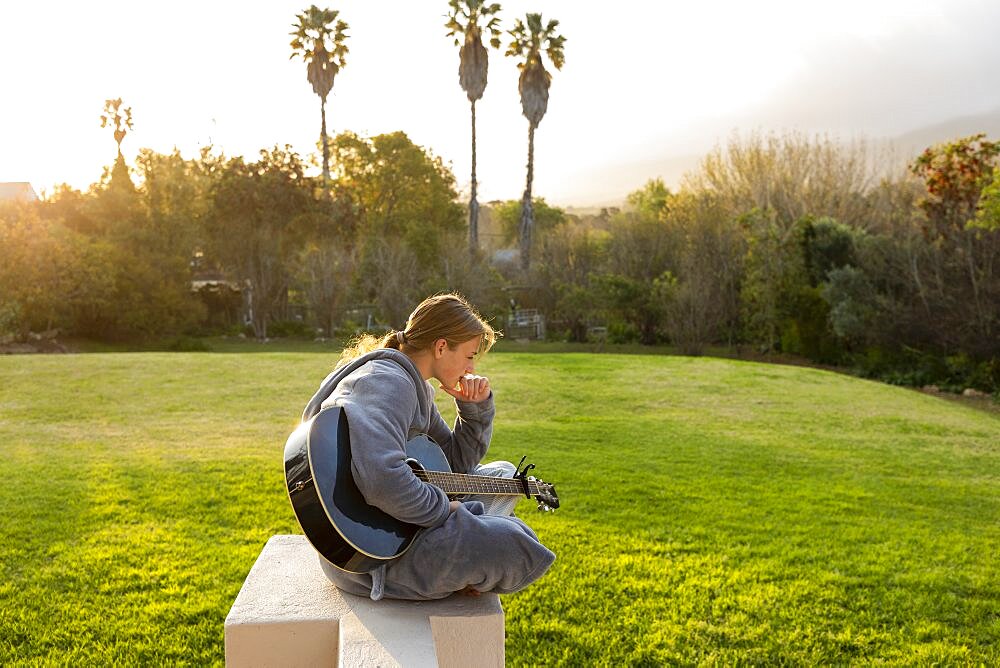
{"x":383,"y":387}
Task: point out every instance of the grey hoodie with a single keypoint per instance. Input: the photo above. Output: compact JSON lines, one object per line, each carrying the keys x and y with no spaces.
{"x":387,"y":402}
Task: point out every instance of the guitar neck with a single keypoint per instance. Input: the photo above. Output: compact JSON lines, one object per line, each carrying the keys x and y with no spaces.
{"x":460,"y":483}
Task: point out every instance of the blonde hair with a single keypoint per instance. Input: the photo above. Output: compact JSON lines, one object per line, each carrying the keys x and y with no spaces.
{"x":445,"y":316}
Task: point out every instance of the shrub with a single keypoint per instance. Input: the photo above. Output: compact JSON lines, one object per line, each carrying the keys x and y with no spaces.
{"x":188,"y":344}
{"x":292,"y":329}
{"x":620,"y":331}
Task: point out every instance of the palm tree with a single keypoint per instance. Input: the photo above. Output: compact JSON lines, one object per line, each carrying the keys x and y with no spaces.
{"x":530,"y":42}
{"x":321,"y":44}
{"x":122,"y":124}
{"x":463,"y":24}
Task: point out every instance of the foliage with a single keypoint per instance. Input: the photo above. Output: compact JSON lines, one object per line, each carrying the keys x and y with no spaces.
{"x":398,"y":191}
{"x":320,"y":39}
{"x":782,"y":243}
{"x":955,"y":174}
{"x":988,"y":207}
{"x":188,"y":344}
{"x":791,"y":175}
{"x":531,"y":42}
{"x":176,"y":195}
{"x":571,"y":256}
{"x":850,"y":296}
{"x":547,"y":219}
{"x":775,"y":271}
{"x":258,"y":214}
{"x":636,"y":302}
{"x":406,"y":216}
{"x":709,"y":263}
{"x":323,"y":272}
{"x":652,"y":200}
{"x":827,"y":245}
{"x":119,"y":119}
{"x":35,"y":268}
{"x":118,"y":295}
{"x":957,"y":265}
{"x":467,"y":21}
{"x":295,"y":329}
{"x":914,"y":368}
{"x":108,"y":286}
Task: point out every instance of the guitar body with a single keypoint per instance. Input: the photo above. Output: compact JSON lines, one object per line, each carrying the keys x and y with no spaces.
{"x":344,"y":529}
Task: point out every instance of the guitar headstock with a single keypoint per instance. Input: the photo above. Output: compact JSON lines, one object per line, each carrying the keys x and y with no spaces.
{"x":545,"y":493}
{"x":546,"y":497}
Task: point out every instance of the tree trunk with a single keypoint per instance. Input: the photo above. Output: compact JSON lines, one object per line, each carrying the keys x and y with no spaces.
{"x":981,"y":317}
{"x":326,"y":149}
{"x":527,"y":213}
{"x":473,"y":203}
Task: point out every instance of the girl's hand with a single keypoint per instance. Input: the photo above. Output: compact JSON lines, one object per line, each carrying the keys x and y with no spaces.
{"x":470,"y":388}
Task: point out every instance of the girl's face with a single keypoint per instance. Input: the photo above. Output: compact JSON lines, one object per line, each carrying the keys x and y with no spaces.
{"x":450,"y":364}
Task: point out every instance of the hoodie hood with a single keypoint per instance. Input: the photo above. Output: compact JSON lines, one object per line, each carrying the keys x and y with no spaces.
{"x":330,"y":383}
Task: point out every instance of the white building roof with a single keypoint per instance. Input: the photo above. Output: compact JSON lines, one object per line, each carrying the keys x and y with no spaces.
{"x":17,"y":190}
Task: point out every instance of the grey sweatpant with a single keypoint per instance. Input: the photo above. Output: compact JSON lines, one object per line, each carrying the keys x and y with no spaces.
{"x":478,"y":546}
{"x":495,"y":505}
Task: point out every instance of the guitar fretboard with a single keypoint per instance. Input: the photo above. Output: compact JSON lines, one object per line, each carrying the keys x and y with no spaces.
{"x":460,"y":483}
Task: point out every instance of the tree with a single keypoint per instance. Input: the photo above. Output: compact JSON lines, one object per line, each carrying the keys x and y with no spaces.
{"x":853,"y":306}
{"x":176,"y":196}
{"x":464,"y":19}
{"x":112,"y":116}
{"x":531,"y":41}
{"x":775,"y":272}
{"x":641,"y":258}
{"x":988,"y":208}
{"x":398,"y":190}
{"x":391,"y":267}
{"x":324,"y":270}
{"x":704,"y":302}
{"x":546,"y":219}
{"x":321,"y":43}
{"x":121,"y":120}
{"x":572,"y":256}
{"x":35,"y":257}
{"x":792,"y":175}
{"x":955,"y":174}
{"x":257,"y":222}
{"x":652,"y":199}
{"x":961,"y":280}
{"x":403,"y":208}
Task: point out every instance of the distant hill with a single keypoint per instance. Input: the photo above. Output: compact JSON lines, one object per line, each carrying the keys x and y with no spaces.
{"x":915,"y":141}
{"x":612,"y":184}
{"x":616,"y":181}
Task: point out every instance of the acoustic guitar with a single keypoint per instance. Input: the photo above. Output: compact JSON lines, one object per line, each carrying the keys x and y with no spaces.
{"x":348,"y":532}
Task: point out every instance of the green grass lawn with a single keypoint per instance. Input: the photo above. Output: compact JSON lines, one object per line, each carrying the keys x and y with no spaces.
{"x":714,"y":511}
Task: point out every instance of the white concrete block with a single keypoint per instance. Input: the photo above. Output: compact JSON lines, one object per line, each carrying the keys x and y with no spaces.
{"x":289,"y":614}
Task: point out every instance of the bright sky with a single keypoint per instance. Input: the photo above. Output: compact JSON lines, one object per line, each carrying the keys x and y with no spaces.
{"x":641,"y":80}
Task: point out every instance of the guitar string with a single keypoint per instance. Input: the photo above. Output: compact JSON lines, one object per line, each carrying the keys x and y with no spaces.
{"x":488,"y":487}
{"x":484,"y":481}
{"x":450,"y":483}
{"x":478,"y":484}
